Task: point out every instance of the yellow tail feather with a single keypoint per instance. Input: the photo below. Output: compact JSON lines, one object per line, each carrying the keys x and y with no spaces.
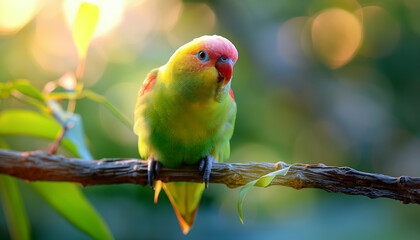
{"x":158,"y":187}
{"x":185,"y":198}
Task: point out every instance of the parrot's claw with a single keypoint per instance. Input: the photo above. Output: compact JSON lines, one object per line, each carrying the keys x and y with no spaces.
{"x":152,"y":171}
{"x":205,"y":168}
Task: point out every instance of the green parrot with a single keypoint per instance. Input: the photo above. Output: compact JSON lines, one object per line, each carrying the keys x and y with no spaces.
{"x":185,"y":115}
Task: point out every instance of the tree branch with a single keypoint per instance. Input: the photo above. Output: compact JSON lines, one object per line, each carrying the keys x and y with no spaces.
{"x":39,"y":166}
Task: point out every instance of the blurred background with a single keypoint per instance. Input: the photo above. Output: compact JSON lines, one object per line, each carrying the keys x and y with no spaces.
{"x":317,"y":81}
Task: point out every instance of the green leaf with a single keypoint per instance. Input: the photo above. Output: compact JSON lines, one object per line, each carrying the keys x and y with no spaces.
{"x":14,"y":210}
{"x":263,"y":181}
{"x":30,"y":123}
{"x":25,"y":87}
{"x":69,"y":201}
{"x":66,"y":198}
{"x":26,"y":93}
{"x":17,"y":220}
{"x":84,"y":26}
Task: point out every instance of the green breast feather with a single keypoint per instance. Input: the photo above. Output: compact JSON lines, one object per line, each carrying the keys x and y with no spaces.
{"x":177,"y":132}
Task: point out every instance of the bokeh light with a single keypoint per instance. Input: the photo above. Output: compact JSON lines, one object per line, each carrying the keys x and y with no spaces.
{"x":170,"y":12}
{"x":67,"y":81}
{"x":289,"y":42}
{"x":15,"y":14}
{"x":381,"y":32}
{"x":336,"y":35}
{"x":413,"y":9}
{"x":195,"y":19}
{"x":111,"y":13}
{"x":52,"y":45}
{"x":95,"y":66}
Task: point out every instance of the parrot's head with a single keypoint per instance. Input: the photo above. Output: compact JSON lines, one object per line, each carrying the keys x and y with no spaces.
{"x":201,"y":70}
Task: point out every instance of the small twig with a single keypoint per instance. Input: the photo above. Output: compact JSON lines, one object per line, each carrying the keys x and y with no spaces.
{"x":39,"y":166}
{"x":79,"y":75}
{"x":53,"y":147}
{"x":20,"y":97}
{"x":94,"y":97}
{"x":80,"y":68}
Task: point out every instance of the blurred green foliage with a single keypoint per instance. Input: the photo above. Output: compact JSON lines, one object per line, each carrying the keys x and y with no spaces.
{"x":317,"y":81}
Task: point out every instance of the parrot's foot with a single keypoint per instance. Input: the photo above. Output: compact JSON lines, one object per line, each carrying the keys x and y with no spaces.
{"x":205,"y":168}
{"x":152,"y":171}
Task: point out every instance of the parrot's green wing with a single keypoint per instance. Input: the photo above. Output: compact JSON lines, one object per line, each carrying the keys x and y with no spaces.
{"x":139,"y":121}
{"x":221,"y":148}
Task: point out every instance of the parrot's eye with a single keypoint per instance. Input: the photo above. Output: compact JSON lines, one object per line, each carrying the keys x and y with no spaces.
{"x":202,"y":56}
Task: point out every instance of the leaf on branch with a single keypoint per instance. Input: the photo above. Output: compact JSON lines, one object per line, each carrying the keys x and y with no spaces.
{"x":69,"y":201}
{"x":84,"y":26}
{"x":66,"y":198}
{"x":263,"y":181}
{"x":30,"y":123}
{"x":14,"y":210}
{"x":17,"y":220}
{"x":26,"y":88}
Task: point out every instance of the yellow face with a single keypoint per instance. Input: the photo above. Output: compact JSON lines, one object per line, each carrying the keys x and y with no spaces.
{"x":191,"y":72}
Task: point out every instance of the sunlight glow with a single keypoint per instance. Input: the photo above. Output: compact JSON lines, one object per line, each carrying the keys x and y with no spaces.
{"x":52,"y":45}
{"x":110,"y":14}
{"x":15,"y":14}
{"x":68,"y":81}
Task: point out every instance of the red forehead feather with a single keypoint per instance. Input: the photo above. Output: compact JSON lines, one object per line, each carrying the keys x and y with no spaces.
{"x":217,"y":47}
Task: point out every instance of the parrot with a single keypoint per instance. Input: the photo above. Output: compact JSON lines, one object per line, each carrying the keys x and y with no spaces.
{"x":185,"y":115}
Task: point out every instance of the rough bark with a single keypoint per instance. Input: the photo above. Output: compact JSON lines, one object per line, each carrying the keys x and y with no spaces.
{"x":40,"y":166}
